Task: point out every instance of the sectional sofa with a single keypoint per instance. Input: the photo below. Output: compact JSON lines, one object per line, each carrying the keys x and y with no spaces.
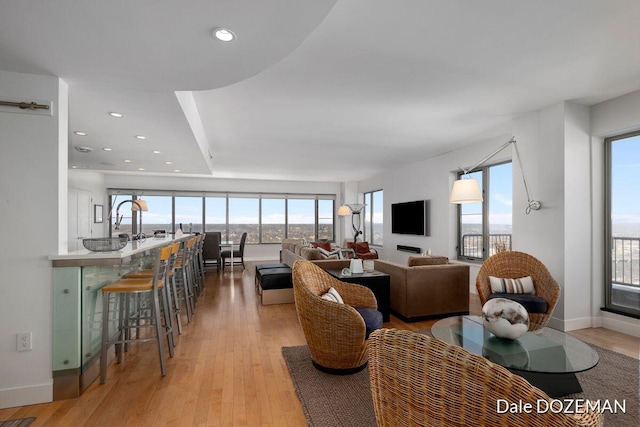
{"x":428,"y":286}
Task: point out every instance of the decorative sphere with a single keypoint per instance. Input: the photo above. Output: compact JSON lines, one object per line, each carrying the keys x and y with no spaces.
{"x":505,"y":318}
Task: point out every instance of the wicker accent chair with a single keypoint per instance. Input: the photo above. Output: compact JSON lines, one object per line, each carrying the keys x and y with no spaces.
{"x":513,"y":265}
{"x":334,"y":332}
{"x":422,"y":381}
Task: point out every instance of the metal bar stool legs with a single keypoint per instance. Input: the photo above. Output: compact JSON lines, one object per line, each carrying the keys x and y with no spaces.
{"x":160,"y":324}
{"x":184,"y":278}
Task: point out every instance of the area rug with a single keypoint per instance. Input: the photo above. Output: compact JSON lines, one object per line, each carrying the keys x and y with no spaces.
{"x":332,"y":401}
{"x":21,"y":422}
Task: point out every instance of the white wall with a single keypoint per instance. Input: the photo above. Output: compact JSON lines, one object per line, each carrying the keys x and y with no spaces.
{"x":94,"y":183}
{"x":616,"y":116}
{"x":430,"y":179}
{"x":33,"y":217}
{"x":540,"y":137}
{"x":578,"y":241}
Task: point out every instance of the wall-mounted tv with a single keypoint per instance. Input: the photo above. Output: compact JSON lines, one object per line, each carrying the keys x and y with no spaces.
{"x":410,"y":218}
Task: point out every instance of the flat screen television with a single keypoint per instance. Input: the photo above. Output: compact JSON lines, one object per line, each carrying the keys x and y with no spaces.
{"x":410,"y":218}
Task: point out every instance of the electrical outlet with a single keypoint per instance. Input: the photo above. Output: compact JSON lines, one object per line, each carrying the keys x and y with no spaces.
{"x":23,"y":341}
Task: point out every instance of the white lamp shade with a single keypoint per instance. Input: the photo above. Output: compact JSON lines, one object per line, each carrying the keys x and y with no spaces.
{"x":344,"y":210}
{"x":465,"y":191}
{"x":142,"y":204}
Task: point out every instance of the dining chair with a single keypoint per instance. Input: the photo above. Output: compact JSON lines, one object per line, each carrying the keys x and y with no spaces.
{"x":211,"y":249}
{"x":235,"y":254}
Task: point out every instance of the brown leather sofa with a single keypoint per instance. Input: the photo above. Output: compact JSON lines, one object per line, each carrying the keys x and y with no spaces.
{"x":417,"y":292}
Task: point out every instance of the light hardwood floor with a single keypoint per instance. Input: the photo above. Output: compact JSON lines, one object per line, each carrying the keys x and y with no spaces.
{"x":228,"y":368}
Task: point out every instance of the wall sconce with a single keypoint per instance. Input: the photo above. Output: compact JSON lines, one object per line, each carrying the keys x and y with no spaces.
{"x":467,"y":190}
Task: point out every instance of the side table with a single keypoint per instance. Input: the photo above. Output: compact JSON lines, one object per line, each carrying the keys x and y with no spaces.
{"x":377,"y":281}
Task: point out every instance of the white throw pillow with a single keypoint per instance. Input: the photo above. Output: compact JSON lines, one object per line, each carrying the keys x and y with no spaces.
{"x":333,"y":295}
{"x":522,"y":285}
{"x":327,"y":254}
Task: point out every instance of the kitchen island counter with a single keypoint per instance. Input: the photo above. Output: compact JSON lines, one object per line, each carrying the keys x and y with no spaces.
{"x":78,"y":277}
{"x":85,"y":257}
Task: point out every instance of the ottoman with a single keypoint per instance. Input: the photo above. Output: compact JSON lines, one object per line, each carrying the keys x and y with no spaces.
{"x":274,"y":284}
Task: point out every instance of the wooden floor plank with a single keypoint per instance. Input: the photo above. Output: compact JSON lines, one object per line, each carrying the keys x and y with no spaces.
{"x":227,"y":370}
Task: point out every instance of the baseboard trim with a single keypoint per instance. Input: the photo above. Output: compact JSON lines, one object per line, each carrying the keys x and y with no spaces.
{"x":620,"y":323}
{"x":29,"y":395}
{"x":579,"y":323}
{"x":612,"y":321}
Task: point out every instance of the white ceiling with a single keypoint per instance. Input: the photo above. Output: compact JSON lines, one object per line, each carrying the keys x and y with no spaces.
{"x":313,"y":90}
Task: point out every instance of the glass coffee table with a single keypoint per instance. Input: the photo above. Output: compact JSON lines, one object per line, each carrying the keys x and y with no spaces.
{"x":547,"y":358}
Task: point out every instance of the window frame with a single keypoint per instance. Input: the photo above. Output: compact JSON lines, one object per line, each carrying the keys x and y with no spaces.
{"x":485,"y":212}
{"x":608,"y":229}
{"x":369,"y":210}
{"x":315,"y":198}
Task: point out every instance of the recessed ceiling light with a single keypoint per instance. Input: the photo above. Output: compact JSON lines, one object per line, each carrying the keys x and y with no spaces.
{"x":107,"y":149}
{"x":74,"y":167}
{"x":141,"y":137}
{"x":116,"y":115}
{"x":140,"y":169}
{"x":127,"y":161}
{"x":168,"y":163}
{"x":83,"y":149}
{"x":176,"y":170}
{"x":223,"y":34}
{"x":156,"y":152}
{"x":80,"y":133}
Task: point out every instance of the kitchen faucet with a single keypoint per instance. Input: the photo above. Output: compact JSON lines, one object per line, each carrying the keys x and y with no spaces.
{"x":140,"y":235}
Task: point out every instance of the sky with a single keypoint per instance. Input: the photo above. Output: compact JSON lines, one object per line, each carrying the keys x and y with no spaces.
{"x":500,"y":198}
{"x":625,"y":177}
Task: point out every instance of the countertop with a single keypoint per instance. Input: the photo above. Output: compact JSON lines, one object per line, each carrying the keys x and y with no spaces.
{"x":85,"y":257}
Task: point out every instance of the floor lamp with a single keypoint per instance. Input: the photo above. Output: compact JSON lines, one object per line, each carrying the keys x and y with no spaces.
{"x":356,"y":210}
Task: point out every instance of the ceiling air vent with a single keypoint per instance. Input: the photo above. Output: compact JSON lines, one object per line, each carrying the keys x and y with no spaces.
{"x":83,"y":149}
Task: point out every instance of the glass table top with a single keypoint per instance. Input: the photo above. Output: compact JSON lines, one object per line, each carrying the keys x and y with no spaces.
{"x":543,"y":351}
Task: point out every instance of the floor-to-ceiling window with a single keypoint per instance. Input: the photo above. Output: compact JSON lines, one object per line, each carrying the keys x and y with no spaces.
{"x":485,"y":228}
{"x":273,"y":216}
{"x":215,"y":218}
{"x":325,"y":219}
{"x":188,"y":213}
{"x":159,"y":215}
{"x":301,"y":218}
{"x":244,"y":217}
{"x":373,"y":223}
{"x":266,"y":218}
{"x":622,"y":292}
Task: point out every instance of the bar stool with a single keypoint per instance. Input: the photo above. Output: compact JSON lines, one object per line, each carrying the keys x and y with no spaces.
{"x":184,"y":277}
{"x":126,"y":290}
{"x":171,"y":291}
{"x":199,"y":259}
